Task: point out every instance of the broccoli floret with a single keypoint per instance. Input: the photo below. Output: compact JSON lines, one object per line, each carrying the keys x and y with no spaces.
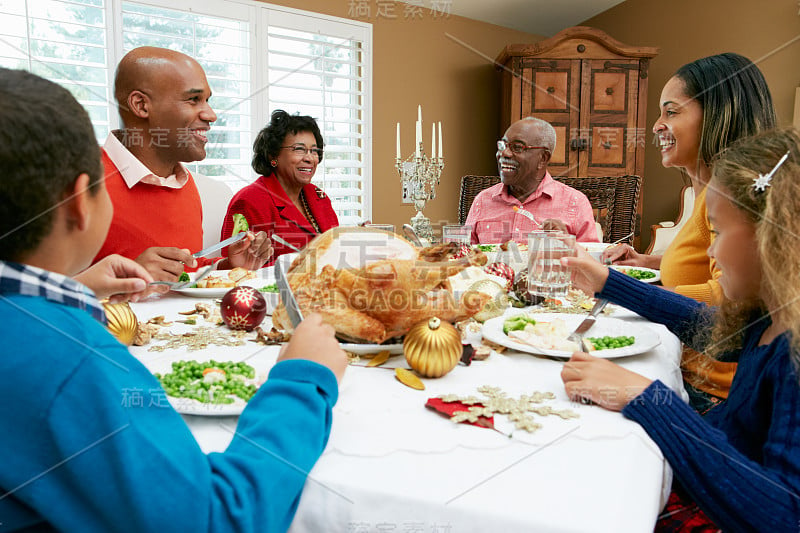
{"x":183,"y":277}
{"x":239,"y":224}
{"x":516,"y":323}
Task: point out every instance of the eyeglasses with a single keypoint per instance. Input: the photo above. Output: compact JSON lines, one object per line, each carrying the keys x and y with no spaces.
{"x":301,"y":150}
{"x":517,"y":147}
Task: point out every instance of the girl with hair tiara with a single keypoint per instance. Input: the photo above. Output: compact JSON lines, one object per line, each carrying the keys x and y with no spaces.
{"x":738,"y":467}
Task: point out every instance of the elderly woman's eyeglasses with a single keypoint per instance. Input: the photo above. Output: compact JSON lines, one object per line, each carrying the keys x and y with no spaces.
{"x":517,"y":147}
{"x":301,"y":150}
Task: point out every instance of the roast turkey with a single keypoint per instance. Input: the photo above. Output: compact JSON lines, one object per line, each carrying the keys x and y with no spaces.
{"x":372,"y":285}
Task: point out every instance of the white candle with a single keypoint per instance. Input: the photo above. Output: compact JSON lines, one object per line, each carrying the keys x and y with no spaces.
{"x":419,"y":114}
{"x":418,"y":138}
{"x":398,"y":140}
{"x":433,"y":140}
{"x":441,"y":151}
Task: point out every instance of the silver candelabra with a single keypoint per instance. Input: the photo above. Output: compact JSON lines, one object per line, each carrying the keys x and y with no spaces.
{"x":420,"y":175}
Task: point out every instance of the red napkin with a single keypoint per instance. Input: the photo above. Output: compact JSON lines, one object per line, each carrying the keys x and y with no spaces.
{"x":448,"y":409}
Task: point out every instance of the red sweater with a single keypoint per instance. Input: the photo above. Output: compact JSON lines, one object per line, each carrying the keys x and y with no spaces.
{"x":267,"y":208}
{"x":149,"y":215}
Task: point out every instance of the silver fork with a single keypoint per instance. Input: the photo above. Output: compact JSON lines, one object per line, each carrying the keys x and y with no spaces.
{"x":527,"y":214}
{"x":281,"y":240}
{"x":177,"y":285}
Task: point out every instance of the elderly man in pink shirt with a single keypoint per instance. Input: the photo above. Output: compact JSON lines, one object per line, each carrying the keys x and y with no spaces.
{"x":522,"y":157}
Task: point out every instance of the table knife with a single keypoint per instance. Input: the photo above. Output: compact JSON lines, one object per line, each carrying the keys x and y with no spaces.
{"x":287,"y":296}
{"x":220,"y":245}
{"x":589,"y":321}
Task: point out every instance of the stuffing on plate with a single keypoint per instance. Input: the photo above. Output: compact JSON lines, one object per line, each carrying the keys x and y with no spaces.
{"x":231,"y":279}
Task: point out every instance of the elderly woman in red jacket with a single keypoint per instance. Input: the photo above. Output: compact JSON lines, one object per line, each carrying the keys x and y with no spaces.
{"x":283,"y":200}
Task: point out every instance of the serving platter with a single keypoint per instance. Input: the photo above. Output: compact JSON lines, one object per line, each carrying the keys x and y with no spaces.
{"x":367,"y":349}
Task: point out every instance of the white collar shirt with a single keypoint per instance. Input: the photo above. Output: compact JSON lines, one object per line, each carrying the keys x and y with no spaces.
{"x":134,"y":171}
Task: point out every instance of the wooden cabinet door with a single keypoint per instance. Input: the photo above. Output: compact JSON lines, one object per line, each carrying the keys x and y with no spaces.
{"x":592,"y":104}
{"x":609,"y":103}
{"x":551,"y":91}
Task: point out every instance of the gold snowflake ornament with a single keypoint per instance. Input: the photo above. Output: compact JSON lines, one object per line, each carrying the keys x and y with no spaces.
{"x":497,"y":402}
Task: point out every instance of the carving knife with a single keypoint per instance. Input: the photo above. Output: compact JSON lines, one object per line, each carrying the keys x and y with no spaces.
{"x":287,"y":296}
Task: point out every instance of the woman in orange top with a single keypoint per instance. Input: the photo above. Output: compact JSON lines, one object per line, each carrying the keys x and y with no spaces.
{"x":705,"y":106}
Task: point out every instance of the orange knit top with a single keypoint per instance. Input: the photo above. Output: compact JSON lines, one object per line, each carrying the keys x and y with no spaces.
{"x":148,"y":215}
{"x":686,"y":265}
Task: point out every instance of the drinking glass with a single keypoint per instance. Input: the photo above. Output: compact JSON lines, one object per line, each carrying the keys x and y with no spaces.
{"x":547,"y":277}
{"x":456,"y":233}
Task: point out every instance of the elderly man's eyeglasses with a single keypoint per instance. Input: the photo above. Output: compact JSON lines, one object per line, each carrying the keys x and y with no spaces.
{"x":517,"y":147}
{"x":301,"y":150}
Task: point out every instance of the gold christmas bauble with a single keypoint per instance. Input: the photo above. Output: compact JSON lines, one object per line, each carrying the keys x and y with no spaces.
{"x":122,"y":322}
{"x":432,"y":347}
{"x":498,"y":303}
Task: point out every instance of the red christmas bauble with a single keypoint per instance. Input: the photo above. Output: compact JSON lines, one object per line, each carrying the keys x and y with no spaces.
{"x":502,"y":270}
{"x":463,"y":251}
{"x":243,"y":308}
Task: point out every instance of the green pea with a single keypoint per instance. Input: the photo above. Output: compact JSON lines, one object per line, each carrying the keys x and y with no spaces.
{"x":607,"y":342}
{"x":186,"y":381}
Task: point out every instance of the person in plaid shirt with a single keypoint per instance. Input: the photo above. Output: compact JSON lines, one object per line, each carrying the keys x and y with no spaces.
{"x":84,"y":458}
{"x":498,"y":213}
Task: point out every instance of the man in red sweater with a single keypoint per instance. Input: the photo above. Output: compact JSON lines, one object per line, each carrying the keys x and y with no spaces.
{"x":163,"y":98}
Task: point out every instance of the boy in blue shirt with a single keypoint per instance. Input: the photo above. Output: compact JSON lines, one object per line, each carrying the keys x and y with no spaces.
{"x":75,"y":457}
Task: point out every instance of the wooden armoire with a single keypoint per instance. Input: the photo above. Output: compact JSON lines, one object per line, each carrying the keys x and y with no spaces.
{"x":592,"y":89}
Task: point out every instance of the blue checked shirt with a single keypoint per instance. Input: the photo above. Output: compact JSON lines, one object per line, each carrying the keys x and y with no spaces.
{"x":28,"y":280}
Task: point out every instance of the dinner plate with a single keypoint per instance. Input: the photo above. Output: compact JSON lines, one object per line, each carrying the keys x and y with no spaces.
{"x":646,"y":339}
{"x":188,"y":406}
{"x":263,"y":277}
{"x":624,"y":270}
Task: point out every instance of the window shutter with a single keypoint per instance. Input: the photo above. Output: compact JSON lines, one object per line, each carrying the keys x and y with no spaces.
{"x":65,"y":42}
{"x":222,"y":47}
{"x":322,"y":73}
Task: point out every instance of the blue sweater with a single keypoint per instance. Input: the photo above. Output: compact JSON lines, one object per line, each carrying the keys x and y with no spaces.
{"x":78,"y":457}
{"x":741,"y":461}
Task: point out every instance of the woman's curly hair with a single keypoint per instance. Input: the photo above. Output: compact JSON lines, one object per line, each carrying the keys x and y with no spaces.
{"x":269,"y":140}
{"x":776,"y":215}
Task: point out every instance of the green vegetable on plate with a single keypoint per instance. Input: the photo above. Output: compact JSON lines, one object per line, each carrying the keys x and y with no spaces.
{"x":216,"y":382}
{"x":239,"y":224}
{"x":608,"y":343}
{"x":516,"y":323}
{"x":639,"y":274}
{"x":269,"y":288}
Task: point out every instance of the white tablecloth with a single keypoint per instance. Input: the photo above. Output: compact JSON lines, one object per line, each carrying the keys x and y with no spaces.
{"x":393,"y":465}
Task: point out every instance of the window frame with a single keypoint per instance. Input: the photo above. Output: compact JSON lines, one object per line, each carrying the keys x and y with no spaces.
{"x":259,"y":16}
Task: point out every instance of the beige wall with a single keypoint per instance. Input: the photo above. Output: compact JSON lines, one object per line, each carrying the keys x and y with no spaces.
{"x":415,"y":62}
{"x":420,"y":61}
{"x":685,"y":30}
